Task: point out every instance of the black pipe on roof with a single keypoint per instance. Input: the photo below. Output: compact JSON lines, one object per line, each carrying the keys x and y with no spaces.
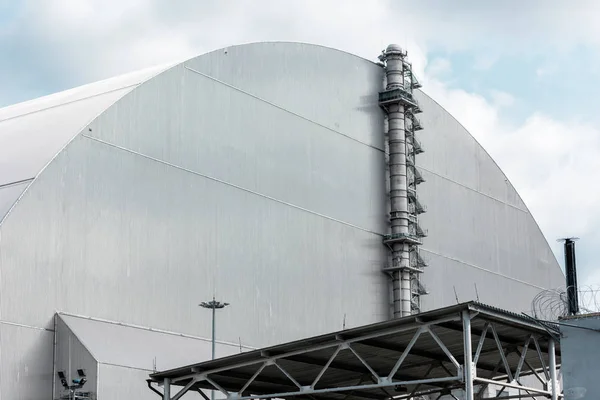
{"x":571,"y":276}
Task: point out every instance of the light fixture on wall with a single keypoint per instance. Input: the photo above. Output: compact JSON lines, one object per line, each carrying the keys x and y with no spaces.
{"x":77,"y":383}
{"x":63,"y":379}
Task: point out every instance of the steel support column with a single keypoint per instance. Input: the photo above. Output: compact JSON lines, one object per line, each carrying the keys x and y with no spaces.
{"x":214,"y":338}
{"x":468,"y":363}
{"x":167,"y":389}
{"x":552,"y":362}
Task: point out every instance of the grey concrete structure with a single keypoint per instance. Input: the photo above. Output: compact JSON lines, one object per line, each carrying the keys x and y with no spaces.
{"x":255,"y":172}
{"x":580,"y":342}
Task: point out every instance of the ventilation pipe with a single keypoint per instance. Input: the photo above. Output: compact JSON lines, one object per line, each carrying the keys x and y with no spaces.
{"x":571,"y":275}
{"x":398,"y":182}
{"x":398,"y":103}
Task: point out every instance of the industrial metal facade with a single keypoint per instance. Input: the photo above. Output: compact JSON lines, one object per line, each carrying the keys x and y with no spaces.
{"x":580,"y":336}
{"x":257,"y":172}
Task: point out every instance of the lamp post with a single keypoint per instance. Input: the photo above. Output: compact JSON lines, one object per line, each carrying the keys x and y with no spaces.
{"x":214,"y":306}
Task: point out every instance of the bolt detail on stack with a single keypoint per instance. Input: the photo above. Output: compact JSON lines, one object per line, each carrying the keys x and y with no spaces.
{"x":406,"y":234}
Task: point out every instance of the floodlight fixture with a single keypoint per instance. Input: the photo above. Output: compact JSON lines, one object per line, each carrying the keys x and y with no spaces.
{"x":63,"y":379}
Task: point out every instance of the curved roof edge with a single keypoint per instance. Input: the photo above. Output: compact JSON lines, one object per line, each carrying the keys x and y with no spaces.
{"x":121,"y":81}
{"x":495,"y":163}
{"x":26,"y":142}
{"x":295,"y":43}
{"x":82,"y":92}
{"x":30,"y":146}
{"x":131,"y":81}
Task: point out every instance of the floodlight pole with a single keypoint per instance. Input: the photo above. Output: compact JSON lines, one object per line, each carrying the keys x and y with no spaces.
{"x":213,"y":305}
{"x":468,"y":350}
{"x":552,"y":362}
{"x":214,"y":319}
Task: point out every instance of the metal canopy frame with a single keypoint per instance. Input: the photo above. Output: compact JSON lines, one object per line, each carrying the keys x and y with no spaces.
{"x":468,"y":346}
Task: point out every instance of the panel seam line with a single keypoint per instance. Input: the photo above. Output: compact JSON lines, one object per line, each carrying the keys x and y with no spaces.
{"x":9,"y":184}
{"x":149,"y":329}
{"x":483,"y":269}
{"x":282,"y":108}
{"x":471,"y":189}
{"x":68,"y":102}
{"x":37,"y":328}
{"x":229,"y":184}
{"x":109,"y":364}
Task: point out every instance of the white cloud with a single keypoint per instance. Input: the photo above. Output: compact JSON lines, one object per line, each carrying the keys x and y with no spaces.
{"x":439,"y":68}
{"x":546,"y":71}
{"x":501,"y":99}
{"x":486,"y":60}
{"x":97,"y":38}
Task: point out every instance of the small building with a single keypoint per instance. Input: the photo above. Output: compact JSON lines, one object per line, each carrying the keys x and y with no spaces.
{"x":580,"y":343}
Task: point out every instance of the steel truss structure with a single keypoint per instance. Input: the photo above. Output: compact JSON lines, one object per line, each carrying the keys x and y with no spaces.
{"x":459,"y":349}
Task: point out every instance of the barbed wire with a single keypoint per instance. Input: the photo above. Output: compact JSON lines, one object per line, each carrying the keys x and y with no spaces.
{"x":552,"y":304}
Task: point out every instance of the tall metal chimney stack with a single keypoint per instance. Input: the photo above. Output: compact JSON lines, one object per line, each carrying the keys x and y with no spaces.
{"x":571,"y":275}
{"x":400,"y":106}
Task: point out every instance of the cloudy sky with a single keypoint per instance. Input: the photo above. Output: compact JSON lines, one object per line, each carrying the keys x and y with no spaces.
{"x":523,"y":77}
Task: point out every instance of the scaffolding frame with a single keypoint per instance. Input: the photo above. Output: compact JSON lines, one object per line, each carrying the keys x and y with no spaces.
{"x":415,"y":356}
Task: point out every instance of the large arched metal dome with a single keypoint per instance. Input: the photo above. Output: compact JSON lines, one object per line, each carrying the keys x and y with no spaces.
{"x":256,"y":172}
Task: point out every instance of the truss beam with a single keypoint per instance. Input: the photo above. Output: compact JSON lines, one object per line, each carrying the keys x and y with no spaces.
{"x":373,"y":382}
{"x":507,"y":341}
{"x":434,"y":352}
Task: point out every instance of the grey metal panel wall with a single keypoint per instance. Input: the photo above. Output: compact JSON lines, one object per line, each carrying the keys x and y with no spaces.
{"x":143,"y":348}
{"x":488,"y":234}
{"x":445,"y":275}
{"x":327,"y":86}
{"x":72,"y":355}
{"x":480,"y":231}
{"x":126,"y":383}
{"x":453,"y":153}
{"x":28,"y":143}
{"x":580,"y":344}
{"x":231,"y":136}
{"x":26,"y":363}
{"x":131,"y":239}
{"x":9,"y":194}
{"x":33,"y":132}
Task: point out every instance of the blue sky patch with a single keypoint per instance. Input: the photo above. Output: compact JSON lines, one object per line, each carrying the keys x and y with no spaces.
{"x":554,"y":84}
